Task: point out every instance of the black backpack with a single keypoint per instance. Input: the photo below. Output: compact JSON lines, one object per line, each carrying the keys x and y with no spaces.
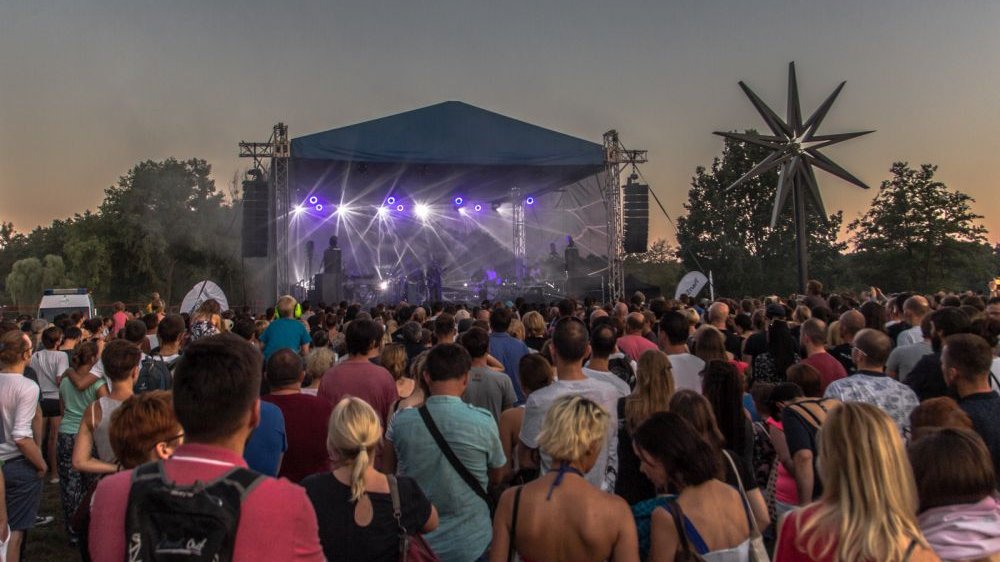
{"x":170,"y":522}
{"x":155,"y":374}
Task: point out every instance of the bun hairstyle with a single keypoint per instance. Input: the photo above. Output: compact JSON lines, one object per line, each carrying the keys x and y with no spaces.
{"x":352,"y":435}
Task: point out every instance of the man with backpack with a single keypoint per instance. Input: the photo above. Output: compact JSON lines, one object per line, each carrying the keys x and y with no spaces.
{"x":204,"y":503}
{"x":156,"y":370}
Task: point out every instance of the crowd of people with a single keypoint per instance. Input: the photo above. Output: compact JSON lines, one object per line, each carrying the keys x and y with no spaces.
{"x":819,"y":427}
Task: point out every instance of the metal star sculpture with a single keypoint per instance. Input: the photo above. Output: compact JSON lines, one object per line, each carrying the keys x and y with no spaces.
{"x":795,"y":147}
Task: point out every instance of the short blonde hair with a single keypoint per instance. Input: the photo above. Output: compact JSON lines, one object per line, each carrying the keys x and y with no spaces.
{"x":352,"y":434}
{"x":319,"y":361}
{"x":571,"y":427}
{"x":534,"y":324}
{"x":286,"y":306}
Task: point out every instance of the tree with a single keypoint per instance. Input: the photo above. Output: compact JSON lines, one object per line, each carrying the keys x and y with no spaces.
{"x":657,"y":266}
{"x":920,"y":235}
{"x":30,"y":276}
{"x":728,"y":232}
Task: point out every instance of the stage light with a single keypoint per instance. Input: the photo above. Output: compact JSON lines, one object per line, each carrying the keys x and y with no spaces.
{"x":461,"y":210}
{"x":319,"y":208}
{"x":342,"y":209}
{"x":399,"y":208}
{"x":298,"y":210}
{"x":496,"y":206}
{"x":391,"y":200}
{"x":313,"y":200}
{"x":478,"y":207}
{"x":530,"y":200}
{"x":383,"y":286}
{"x":382,"y":212}
{"x":421,"y":211}
{"x":459,"y":201}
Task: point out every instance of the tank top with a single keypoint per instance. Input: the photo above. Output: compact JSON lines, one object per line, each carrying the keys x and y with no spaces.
{"x":101,"y":439}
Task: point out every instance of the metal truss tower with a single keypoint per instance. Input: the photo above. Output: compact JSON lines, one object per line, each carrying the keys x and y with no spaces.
{"x":278,"y":149}
{"x":520,"y":245}
{"x":616,"y":158}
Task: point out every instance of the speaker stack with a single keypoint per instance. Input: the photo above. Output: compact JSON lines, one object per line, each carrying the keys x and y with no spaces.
{"x":255,"y":223}
{"x":636,"y":214}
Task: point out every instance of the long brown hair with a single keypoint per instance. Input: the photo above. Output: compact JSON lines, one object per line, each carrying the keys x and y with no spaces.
{"x":653,"y":388}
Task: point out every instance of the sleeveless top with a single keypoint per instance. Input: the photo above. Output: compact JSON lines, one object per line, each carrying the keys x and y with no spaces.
{"x":101,"y":440}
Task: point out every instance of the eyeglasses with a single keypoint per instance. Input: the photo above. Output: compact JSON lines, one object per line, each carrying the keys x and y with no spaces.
{"x":859,"y":350}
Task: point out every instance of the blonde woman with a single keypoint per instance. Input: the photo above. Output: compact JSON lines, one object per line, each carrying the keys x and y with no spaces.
{"x":206,"y":320}
{"x":318,"y":362}
{"x":591,"y":524}
{"x":534,"y":330}
{"x":393,"y":358}
{"x":353,"y":504}
{"x":516,"y":329}
{"x":868,"y":511}
{"x":653,"y":390}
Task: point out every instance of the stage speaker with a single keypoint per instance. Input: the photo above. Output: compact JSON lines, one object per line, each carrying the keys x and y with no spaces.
{"x":636,"y":213}
{"x":255,"y":219}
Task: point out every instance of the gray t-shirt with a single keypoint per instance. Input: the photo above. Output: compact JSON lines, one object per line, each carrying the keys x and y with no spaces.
{"x":49,"y":365}
{"x":609,"y":378}
{"x":490,"y":390}
{"x":605,"y":471}
{"x":902,"y":359}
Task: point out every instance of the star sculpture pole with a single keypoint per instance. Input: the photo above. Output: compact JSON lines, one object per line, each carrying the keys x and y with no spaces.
{"x":794,"y":146}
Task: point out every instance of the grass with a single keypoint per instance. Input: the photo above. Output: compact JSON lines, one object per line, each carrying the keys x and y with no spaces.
{"x":50,"y":543}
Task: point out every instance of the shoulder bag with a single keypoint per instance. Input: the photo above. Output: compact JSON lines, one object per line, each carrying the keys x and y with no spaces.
{"x":758,"y":552}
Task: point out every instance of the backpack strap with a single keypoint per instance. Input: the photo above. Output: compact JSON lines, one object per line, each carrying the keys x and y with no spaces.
{"x":148,"y":471}
{"x":453,"y":459}
{"x":244,"y":478}
{"x":512,"y":548}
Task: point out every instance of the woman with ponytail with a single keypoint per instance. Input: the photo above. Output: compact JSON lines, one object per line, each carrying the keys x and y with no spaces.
{"x":352,"y":501}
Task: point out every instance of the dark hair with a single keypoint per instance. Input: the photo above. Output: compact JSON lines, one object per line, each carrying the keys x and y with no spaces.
{"x":170,"y":329}
{"x":361,"y":336}
{"x":284,"y":368}
{"x":950,"y":321}
{"x":603,"y":340}
{"x":807,"y":378}
{"x":135,"y":331}
{"x":781,"y":345}
{"x":743,"y":322}
{"x":72,"y":333}
{"x":723,"y":387}
{"x":476,"y":341}
{"x":119,"y":358}
{"x":937,"y":413}
{"x":674,"y":325}
{"x":782,"y":392}
{"x":952,"y":466}
{"x":85,"y":353}
{"x":687,"y":458}
{"x":570,"y":339}
{"x":216,"y":383}
{"x":51,"y":337}
{"x":534,"y":372}
{"x":151,"y":321}
{"x":245,"y":328}
{"x":448,"y":361}
{"x":968,"y":354}
{"x":444,"y":324}
{"x":874,"y":314}
{"x":500,"y":319}
{"x":697,"y":411}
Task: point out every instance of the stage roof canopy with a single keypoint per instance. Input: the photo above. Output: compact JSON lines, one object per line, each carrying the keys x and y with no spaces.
{"x":441,"y":148}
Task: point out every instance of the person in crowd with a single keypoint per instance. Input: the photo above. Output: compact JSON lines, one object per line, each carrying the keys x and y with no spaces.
{"x":318,"y":362}
{"x":956,"y":487}
{"x":786,"y":497}
{"x":870,"y":384}
{"x":673,"y":341}
{"x":305,"y":416}
{"x":357,"y":376}
{"x":712,"y":515}
{"x":23,"y":462}
{"x":966,"y":361}
{"x":505,"y":348}
{"x":603,"y":345}
{"x":926,"y":378}
{"x":915,"y":309}
{"x":445,"y":328}
{"x":215,"y":397}
{"x":633,"y":344}
{"x":516,"y":330}
{"x":814,"y":294}
{"x":49,"y":364}
{"x":717,"y":316}
{"x":393,"y":359}
{"x":869,"y":502}
{"x":72,"y":483}
{"x":119,"y":317}
{"x":414,"y":444}
{"x":568,"y":348}
{"x":151,"y":321}
{"x":874,"y":314}
{"x":904,"y":358}
{"x":353,"y":503}
{"x":594,"y":525}
{"x":848,"y":325}
{"x":286,"y":331}
{"x":268,"y":442}
{"x":723,"y":387}
{"x":534,"y":330}
{"x":490,"y":390}
{"x":812,"y":337}
{"x":780,"y":353}
{"x":801,"y":421}
{"x":121,"y":367}
{"x":696,"y":410}
{"x":534,"y":372}
{"x":937,"y":413}
{"x":206,"y":320}
{"x":420,"y":389}
{"x":653,"y":391}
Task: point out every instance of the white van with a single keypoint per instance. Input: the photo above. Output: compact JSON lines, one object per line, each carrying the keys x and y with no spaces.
{"x":65,"y":301}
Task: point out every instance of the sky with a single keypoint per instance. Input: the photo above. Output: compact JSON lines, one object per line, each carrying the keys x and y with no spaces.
{"x":88,"y":88}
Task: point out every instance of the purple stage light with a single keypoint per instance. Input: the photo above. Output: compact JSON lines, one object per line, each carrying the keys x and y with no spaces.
{"x":391,"y":201}
{"x":478,"y":207}
{"x":313,"y":200}
{"x":530,"y":200}
{"x":399,"y":208}
{"x":459,"y":201}
{"x":319,"y":208}
{"x":382,"y":212}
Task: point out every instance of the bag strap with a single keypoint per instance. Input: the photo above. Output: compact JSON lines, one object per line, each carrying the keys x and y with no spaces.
{"x":674,"y":508}
{"x":397,"y":514}
{"x":511,"y":548}
{"x":909,"y":550}
{"x":995,"y":380}
{"x":452,"y":459}
{"x":754,"y":531}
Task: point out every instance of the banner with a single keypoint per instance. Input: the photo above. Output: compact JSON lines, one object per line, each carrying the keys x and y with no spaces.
{"x":691,"y":284}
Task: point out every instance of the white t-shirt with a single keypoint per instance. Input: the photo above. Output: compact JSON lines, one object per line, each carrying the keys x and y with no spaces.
{"x":98,"y":369}
{"x":18,"y":400}
{"x":610,"y":378}
{"x":687,"y":370}
{"x":605,"y":471}
{"x":49,"y":364}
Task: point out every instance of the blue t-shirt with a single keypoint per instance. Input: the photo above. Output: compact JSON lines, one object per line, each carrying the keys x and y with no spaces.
{"x":509,"y":351}
{"x":267,"y":442}
{"x":465,"y":530}
{"x":284,"y":333}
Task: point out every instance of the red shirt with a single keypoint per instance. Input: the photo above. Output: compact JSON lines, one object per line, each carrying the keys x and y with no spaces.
{"x":306,"y":419}
{"x":277,"y":521}
{"x":360,"y":379}
{"x":829,"y":368}
{"x":789,"y":537}
{"x":635,"y":345}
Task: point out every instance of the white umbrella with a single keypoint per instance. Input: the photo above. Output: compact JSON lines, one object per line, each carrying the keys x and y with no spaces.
{"x":201,"y":292}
